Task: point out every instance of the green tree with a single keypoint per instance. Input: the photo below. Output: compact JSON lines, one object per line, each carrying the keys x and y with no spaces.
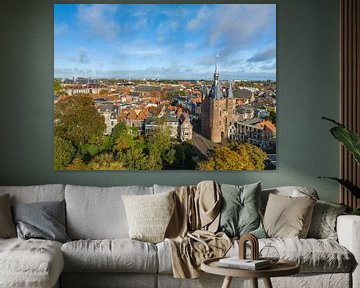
{"x":117,"y":131}
{"x":64,"y":152}
{"x":124,"y":141}
{"x":272,"y":112}
{"x":187,"y":156}
{"x":77,"y":164}
{"x":161,"y":152}
{"x":105,"y":161}
{"x":134,"y":158}
{"x":253,"y":153}
{"x":58,"y":89}
{"x":77,"y":120}
{"x":238,"y":156}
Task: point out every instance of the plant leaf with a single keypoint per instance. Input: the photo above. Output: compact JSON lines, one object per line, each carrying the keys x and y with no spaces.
{"x":347,"y":184}
{"x":333,"y":121}
{"x":349,"y":139}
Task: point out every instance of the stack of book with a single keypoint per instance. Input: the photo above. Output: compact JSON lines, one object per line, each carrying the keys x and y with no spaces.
{"x":248,"y":264}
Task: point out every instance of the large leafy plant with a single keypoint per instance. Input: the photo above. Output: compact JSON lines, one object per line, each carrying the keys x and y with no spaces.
{"x":351,"y":141}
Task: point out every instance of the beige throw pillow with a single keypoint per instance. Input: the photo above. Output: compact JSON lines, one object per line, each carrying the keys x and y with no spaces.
{"x":7,"y":226}
{"x":148,"y":215}
{"x":288,"y":217}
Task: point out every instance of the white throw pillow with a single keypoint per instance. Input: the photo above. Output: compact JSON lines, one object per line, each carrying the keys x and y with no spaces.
{"x":149,"y":215}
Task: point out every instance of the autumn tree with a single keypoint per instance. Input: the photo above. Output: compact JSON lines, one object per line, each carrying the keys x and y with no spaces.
{"x":272,"y":116}
{"x":117,"y":131}
{"x":94,"y":147}
{"x":124,"y":140}
{"x":105,"y":161}
{"x":77,"y":120}
{"x":77,"y":164}
{"x":237,"y":156}
{"x":160,"y":147}
{"x":58,"y":89}
{"x":134,"y":158}
{"x":64,"y":152}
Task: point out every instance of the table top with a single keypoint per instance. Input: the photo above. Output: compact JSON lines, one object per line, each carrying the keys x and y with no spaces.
{"x":281,"y":268}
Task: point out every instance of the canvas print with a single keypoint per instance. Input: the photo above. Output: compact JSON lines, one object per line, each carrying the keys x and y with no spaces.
{"x":165,"y":87}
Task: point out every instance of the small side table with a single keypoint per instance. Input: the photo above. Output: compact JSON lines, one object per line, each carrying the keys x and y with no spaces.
{"x":281,"y":268}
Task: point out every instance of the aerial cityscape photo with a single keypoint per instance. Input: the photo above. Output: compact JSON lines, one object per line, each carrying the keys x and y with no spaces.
{"x":165,"y":87}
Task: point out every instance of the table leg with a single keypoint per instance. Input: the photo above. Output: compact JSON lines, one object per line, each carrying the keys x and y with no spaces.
{"x":227,"y":282}
{"x":254,"y":282}
{"x":267,"y":283}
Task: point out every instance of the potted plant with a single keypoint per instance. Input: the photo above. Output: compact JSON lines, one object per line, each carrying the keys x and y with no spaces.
{"x":351,"y":141}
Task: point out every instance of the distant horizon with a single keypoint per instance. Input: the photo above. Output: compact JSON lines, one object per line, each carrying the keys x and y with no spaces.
{"x":165,"y":41}
{"x":167,"y":79}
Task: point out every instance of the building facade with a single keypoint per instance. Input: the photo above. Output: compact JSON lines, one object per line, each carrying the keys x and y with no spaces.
{"x":217,"y":110}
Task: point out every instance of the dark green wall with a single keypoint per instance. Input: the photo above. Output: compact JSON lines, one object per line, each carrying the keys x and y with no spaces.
{"x":307,"y":35}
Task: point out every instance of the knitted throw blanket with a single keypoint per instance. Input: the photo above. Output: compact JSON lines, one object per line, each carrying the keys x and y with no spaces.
{"x":191,"y":231}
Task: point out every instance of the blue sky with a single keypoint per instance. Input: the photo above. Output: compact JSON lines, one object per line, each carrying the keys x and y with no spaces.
{"x":167,"y":41}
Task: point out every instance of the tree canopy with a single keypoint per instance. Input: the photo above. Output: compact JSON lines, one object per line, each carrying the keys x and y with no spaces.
{"x":64,"y":152}
{"x":58,"y":89}
{"x":237,"y":156}
{"x":77,"y":120}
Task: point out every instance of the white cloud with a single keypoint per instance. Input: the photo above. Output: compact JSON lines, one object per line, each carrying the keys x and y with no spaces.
{"x":269,"y":67}
{"x":73,"y":72}
{"x":141,"y":49}
{"x":98,"y":20}
{"x":235,"y":27}
{"x":238,"y":26}
{"x":263,"y":55}
{"x":60,"y":29}
{"x":201,"y":16}
{"x":81,"y":57}
{"x":165,"y":28}
{"x":190,"y":45}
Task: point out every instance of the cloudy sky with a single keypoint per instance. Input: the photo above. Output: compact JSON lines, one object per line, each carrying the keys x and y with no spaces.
{"x":167,"y":41}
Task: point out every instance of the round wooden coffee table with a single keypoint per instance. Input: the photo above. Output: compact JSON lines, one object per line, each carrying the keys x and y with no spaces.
{"x":281,"y":268}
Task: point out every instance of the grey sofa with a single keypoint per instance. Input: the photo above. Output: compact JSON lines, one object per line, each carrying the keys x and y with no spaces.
{"x":101,"y":254}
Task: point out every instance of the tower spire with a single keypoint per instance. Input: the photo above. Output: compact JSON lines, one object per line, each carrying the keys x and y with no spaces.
{"x":216,"y":73}
{"x":215,"y":91}
{"x":230,"y":91}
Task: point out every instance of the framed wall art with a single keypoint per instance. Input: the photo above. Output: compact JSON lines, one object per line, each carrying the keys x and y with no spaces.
{"x":165,"y":87}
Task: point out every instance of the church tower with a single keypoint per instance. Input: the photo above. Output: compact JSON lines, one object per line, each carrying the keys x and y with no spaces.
{"x":217,"y":110}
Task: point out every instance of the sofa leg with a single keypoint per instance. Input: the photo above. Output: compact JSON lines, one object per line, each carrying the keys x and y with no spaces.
{"x":227,"y":282}
{"x":267,"y":282}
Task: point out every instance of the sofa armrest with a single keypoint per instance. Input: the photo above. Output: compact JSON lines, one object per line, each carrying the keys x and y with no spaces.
{"x":348,"y":230}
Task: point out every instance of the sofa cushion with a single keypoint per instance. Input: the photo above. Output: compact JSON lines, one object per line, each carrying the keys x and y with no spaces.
{"x":36,"y":193}
{"x":323,"y":222}
{"x":313,"y":255}
{"x":98,"y":213}
{"x":116,"y":255}
{"x":163,"y":188}
{"x":149,"y":215}
{"x":240,"y":210}
{"x":30,"y":263}
{"x":7,"y":226}
{"x":109,"y":280}
{"x":287,"y":216}
{"x":43,"y":220}
{"x":291,"y":191}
